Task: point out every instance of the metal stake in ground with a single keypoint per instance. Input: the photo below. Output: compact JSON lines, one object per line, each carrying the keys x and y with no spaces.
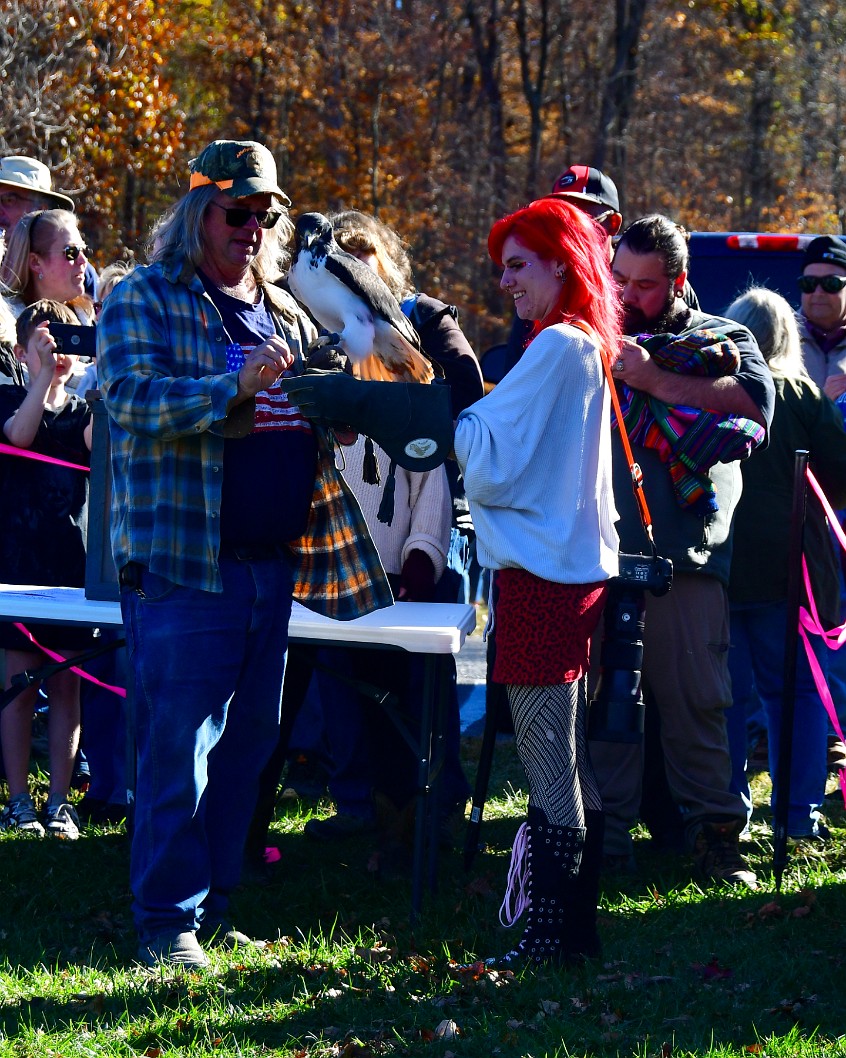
{"x":781,"y":807}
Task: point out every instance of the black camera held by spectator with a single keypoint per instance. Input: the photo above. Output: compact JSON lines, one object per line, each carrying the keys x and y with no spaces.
{"x":75,"y":340}
{"x":616,"y":709}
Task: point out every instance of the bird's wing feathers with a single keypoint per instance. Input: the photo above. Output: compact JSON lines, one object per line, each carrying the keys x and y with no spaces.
{"x":347,"y":296}
{"x":403,"y":362}
{"x":371,"y":288}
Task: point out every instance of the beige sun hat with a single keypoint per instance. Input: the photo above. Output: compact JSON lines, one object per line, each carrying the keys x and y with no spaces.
{"x":28,"y":174}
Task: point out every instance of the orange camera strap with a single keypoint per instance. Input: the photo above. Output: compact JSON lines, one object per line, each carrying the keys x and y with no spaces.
{"x":634,"y":467}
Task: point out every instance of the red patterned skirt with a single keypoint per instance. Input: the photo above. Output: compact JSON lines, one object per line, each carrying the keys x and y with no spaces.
{"x":542,"y":630}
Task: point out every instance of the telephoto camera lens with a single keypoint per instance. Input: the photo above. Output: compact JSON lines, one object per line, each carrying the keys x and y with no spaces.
{"x":616,"y":709}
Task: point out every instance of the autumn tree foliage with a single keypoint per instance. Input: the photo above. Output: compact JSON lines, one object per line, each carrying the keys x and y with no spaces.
{"x":85,"y":91}
{"x":438,"y":115}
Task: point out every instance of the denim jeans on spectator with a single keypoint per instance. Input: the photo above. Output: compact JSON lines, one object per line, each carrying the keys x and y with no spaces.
{"x":756,"y":659}
{"x":104,"y":739}
{"x":207,"y":670}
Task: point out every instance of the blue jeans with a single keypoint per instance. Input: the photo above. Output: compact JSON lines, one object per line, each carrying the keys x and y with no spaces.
{"x":104,"y":740}
{"x":756,"y":659}
{"x":207,"y":672}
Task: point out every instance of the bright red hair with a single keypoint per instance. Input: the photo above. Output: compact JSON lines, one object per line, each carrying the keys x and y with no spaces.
{"x":557,"y":231}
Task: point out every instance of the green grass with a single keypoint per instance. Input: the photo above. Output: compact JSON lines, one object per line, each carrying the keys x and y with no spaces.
{"x":685,"y":970}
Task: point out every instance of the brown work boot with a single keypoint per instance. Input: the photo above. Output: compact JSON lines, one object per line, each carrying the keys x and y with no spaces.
{"x":716,"y":854}
{"x":836,"y":754}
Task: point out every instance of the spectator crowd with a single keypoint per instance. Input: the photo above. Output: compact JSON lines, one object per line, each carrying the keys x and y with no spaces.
{"x":230,"y":501}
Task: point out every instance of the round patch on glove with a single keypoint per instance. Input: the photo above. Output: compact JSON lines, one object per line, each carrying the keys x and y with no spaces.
{"x":421,"y":448}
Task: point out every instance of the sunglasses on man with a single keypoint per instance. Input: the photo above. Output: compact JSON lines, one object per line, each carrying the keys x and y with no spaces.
{"x":238,"y":216}
{"x":830,"y":284}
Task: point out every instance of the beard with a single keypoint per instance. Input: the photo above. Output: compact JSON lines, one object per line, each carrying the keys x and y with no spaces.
{"x":667,"y":321}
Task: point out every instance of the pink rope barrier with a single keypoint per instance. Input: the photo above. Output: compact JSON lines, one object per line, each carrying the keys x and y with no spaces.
{"x":25,"y":453}
{"x":810,"y":623}
{"x":121,"y":691}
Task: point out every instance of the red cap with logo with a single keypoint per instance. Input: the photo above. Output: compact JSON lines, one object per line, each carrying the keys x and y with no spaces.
{"x":585,"y":182}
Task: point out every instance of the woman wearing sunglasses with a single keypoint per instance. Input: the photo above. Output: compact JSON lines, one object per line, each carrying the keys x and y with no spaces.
{"x":45,"y":260}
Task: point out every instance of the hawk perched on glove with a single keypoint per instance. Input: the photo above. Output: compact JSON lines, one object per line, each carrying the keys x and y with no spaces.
{"x":345,"y":296}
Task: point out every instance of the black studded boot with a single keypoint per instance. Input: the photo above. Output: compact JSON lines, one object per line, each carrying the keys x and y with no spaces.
{"x":580,"y":896}
{"x":545,"y":858}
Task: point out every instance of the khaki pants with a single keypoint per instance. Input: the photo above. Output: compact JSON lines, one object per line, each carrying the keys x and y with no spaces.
{"x":685,"y":667}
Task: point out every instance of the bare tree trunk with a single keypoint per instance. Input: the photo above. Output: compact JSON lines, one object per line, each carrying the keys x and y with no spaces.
{"x":374,"y":162}
{"x":610,"y":143}
{"x":533,"y":87}
{"x":484,"y":29}
{"x":758,"y":168}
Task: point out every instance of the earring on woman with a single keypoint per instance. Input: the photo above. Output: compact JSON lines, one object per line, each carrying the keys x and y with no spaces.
{"x":561,"y":274}
{"x":40,"y":275}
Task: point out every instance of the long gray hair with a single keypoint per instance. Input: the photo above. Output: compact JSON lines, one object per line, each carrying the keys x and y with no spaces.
{"x":180,"y":232}
{"x":772,"y":321}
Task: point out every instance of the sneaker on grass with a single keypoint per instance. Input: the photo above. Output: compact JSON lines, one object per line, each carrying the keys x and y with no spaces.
{"x":174,"y":949}
{"x":224,"y":935}
{"x":20,"y":815}
{"x":61,"y":821}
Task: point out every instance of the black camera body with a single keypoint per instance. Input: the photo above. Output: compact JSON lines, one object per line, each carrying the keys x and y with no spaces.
{"x":616,"y":709}
{"x":652,"y":574}
{"x":75,"y":339}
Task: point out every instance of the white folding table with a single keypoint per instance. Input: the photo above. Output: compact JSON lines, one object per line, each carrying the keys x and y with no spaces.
{"x":433,"y":630}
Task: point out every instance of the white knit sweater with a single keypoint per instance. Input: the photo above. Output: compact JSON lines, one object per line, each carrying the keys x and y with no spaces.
{"x":422,"y":509}
{"x":536,"y":458}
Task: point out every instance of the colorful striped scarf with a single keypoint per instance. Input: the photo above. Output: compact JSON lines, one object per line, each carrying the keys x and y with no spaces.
{"x":690,"y":440}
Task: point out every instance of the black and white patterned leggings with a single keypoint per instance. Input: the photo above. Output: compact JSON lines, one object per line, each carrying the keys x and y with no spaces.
{"x":550,"y":727}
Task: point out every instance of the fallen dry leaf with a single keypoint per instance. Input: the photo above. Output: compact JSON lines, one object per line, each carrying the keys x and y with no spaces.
{"x":376,"y":954}
{"x":447,"y":1030}
{"x":549,"y":1006}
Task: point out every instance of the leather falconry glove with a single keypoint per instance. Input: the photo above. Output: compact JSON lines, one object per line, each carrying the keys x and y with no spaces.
{"x":412,"y":422}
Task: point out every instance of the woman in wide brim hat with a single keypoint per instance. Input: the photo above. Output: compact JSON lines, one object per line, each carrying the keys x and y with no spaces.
{"x":32,"y":180}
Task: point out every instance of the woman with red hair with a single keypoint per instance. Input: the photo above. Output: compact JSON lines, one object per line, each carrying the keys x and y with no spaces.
{"x":536,"y":458}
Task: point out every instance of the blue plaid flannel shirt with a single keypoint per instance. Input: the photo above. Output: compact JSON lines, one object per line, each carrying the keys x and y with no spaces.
{"x":160,"y":341}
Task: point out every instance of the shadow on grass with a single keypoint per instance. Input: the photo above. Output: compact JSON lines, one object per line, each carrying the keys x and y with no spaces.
{"x":698,"y":970}
{"x":722,"y":968}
